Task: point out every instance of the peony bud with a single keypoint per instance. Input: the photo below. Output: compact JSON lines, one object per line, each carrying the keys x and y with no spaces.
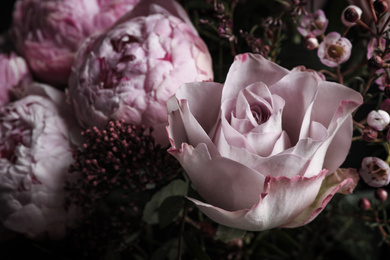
{"x":375,"y":172}
{"x":381,"y":6}
{"x":364,"y":204}
{"x":378,"y":119}
{"x":381,"y":194}
{"x":369,"y":134}
{"x":310,"y":42}
{"x":131,"y":70}
{"x":351,"y":15}
{"x":47,"y":33}
{"x":37,"y":136}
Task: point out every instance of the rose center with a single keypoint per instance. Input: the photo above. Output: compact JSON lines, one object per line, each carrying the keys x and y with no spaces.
{"x":260,"y":113}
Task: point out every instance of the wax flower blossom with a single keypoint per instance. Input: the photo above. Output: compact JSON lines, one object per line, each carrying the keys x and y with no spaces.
{"x":47,"y":33}
{"x":37,"y":138}
{"x":264,"y":149}
{"x":378,"y":119}
{"x":314,"y":24}
{"x":375,"y":172}
{"x":350,"y":15}
{"x":131,"y":70}
{"x":334,"y":50}
{"x":13,"y":72}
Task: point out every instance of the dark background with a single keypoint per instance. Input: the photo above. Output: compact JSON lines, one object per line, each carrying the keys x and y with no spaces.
{"x":6,"y":7}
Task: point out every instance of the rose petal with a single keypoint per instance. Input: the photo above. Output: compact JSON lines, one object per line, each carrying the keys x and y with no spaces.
{"x":295,"y":86}
{"x":194,"y":131}
{"x":282,"y":201}
{"x":238,"y":186}
{"x":341,"y":181}
{"x":249,"y":68}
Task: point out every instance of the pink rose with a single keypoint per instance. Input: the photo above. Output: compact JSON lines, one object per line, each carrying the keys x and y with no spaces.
{"x":130,"y":71}
{"x":13,"y":72}
{"x":37,"y":138}
{"x":48,"y":32}
{"x":264,"y":149}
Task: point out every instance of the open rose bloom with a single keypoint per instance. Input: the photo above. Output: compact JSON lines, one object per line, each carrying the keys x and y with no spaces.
{"x":130,"y":71}
{"x":47,"y":33}
{"x":264,"y":149}
{"x":38,"y":135}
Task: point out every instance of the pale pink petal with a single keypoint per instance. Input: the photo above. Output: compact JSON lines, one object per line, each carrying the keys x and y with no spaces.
{"x":247,"y":69}
{"x":298,"y":89}
{"x":237,"y":185}
{"x":281,"y":202}
{"x":341,"y":181}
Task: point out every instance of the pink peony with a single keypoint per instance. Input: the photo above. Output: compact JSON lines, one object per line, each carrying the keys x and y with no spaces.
{"x":131,"y":70}
{"x":13,"y":72}
{"x":37,"y":138}
{"x":264,"y":149}
{"x":314,"y":24}
{"x":334,"y":50}
{"x":48,"y":32}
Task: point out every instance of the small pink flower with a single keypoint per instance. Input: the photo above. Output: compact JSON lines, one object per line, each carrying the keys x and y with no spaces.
{"x":334,"y":50}
{"x":38,"y":135}
{"x":350,"y":15}
{"x":375,"y":172}
{"x":378,"y":119}
{"x":13,"y":72}
{"x":314,"y":24}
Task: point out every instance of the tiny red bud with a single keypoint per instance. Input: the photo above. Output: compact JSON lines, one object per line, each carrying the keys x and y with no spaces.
{"x":375,"y":62}
{"x":381,"y":6}
{"x":381,"y":194}
{"x":310,"y":42}
{"x":351,"y":15}
{"x":369,"y":134}
{"x":364,"y":204}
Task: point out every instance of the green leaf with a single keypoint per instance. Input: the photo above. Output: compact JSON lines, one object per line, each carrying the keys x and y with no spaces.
{"x":169,"y":210}
{"x":227,"y":234}
{"x":194,"y":248}
{"x":175,"y":188}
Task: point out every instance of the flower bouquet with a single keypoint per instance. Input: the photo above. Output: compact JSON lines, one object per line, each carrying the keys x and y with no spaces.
{"x":216,"y":129}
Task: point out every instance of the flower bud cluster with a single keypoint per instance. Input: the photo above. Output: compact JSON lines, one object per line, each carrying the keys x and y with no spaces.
{"x":121,"y":167}
{"x":333,"y":49}
{"x":380,"y":195}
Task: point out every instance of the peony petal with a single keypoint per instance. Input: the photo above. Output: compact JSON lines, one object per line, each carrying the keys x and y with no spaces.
{"x":341,"y":181}
{"x":237,"y":185}
{"x":250,"y":68}
{"x":282,"y":201}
